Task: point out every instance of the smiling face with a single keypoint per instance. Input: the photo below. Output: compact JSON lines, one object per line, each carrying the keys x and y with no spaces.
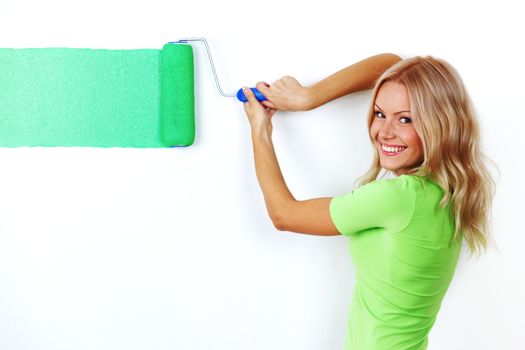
{"x":393,"y":131}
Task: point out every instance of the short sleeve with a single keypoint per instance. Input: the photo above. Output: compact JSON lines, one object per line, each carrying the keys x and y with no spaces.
{"x":387,"y":204}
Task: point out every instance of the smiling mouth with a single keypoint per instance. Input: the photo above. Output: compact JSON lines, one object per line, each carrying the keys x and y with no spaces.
{"x":392,"y":151}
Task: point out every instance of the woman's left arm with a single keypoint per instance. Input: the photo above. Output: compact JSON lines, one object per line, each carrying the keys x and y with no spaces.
{"x":287,"y":214}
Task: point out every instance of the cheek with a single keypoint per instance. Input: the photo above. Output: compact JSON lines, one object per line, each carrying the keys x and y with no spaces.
{"x":416,"y":143}
{"x":374,"y":131}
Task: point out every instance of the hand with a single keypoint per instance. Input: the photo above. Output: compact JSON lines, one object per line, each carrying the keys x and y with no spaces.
{"x":285,"y":94}
{"x":259,"y":116}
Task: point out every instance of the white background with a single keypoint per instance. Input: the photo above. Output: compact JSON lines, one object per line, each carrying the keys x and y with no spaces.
{"x":173,"y":249}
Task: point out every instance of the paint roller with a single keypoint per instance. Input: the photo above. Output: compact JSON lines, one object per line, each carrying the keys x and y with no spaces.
{"x":240,"y":94}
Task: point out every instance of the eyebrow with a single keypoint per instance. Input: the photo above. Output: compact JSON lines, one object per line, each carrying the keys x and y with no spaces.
{"x":394,"y":113}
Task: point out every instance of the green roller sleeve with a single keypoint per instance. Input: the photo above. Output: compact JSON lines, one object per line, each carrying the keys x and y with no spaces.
{"x":97,"y":98}
{"x":177,"y":111}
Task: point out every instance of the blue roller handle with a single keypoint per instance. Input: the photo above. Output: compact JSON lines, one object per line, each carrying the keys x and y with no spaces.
{"x":258,"y":95}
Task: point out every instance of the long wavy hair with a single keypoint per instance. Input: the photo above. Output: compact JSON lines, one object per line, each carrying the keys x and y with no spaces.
{"x":446,"y":123}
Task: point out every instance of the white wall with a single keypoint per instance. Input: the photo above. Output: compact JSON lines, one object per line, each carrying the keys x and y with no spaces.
{"x":172,"y":248}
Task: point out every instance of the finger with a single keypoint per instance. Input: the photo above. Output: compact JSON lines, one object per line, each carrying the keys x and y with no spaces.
{"x":263,"y":87}
{"x":278,"y":81}
{"x":278,"y":86}
{"x":268,"y":104}
{"x":249,"y":95}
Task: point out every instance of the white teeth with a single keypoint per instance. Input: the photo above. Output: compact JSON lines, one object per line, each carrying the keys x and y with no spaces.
{"x":392,"y":149}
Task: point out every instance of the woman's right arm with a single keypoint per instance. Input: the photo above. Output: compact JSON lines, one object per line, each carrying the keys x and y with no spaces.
{"x":288,"y":94}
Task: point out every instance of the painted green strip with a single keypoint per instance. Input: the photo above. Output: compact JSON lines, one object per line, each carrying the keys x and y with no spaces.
{"x":97,"y":98}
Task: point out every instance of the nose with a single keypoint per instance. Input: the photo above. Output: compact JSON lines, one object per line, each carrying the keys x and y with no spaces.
{"x":387,"y":130}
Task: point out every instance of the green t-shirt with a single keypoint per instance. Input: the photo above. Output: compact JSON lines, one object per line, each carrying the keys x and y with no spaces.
{"x":404,"y":257}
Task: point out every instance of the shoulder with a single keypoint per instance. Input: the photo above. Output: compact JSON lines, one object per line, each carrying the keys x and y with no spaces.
{"x":392,"y":194}
{"x":400,"y":186}
{"x":388,"y":203}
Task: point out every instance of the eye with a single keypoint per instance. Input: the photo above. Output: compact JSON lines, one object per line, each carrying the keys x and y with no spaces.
{"x":379,"y":114}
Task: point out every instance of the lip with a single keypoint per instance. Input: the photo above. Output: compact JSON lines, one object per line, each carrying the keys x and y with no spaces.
{"x":386,"y":144}
{"x":391,"y":154}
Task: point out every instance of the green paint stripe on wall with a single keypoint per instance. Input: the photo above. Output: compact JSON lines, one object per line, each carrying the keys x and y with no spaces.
{"x":97,"y":98}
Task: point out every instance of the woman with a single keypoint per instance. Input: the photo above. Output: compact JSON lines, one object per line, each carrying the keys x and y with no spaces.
{"x":405,"y":232}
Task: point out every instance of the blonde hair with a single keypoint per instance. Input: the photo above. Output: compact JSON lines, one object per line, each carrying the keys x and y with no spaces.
{"x":446,"y":123}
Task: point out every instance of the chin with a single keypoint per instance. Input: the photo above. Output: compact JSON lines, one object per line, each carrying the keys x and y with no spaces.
{"x":393,"y":170}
